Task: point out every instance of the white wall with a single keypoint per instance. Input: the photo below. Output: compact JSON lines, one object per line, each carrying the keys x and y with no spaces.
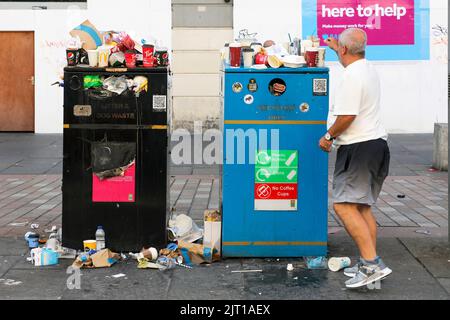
{"x":144,"y":19}
{"x":414,"y":92}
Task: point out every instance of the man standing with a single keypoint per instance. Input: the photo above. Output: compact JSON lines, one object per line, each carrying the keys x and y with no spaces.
{"x":363,"y":156}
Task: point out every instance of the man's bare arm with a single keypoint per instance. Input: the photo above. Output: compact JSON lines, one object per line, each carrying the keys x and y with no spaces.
{"x":341,"y":125}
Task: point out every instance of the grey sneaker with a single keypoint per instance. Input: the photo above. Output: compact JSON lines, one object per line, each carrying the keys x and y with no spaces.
{"x":351,"y":272}
{"x":368,"y":274}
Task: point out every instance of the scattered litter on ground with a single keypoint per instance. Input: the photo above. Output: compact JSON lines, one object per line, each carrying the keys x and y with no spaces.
{"x":119,"y":275}
{"x":146,"y":264}
{"x":34,"y":226}
{"x":337,"y":264}
{"x":53,"y":229}
{"x":44,"y":257}
{"x":18,"y":224}
{"x":246,"y":271}
{"x":401,"y":196}
{"x":316,"y":262}
{"x":212,"y":229}
{"x":290,"y":267}
{"x":10,"y":282}
{"x":423,"y":232}
{"x":183,"y":228}
{"x":101,"y":259}
{"x":296,"y":278}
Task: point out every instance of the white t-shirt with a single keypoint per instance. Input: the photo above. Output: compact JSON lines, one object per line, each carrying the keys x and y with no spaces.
{"x":359,"y":95}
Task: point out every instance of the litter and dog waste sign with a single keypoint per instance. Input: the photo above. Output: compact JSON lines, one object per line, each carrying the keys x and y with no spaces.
{"x":276,"y":180}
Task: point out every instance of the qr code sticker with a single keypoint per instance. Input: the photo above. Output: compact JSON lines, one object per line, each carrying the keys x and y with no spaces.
{"x":160,"y":103}
{"x":320,"y":87}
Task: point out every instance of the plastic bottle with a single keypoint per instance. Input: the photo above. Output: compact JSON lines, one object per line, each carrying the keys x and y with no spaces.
{"x":100,"y":238}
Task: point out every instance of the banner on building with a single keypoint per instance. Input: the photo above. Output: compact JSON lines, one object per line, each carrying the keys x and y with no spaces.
{"x":397,"y":30}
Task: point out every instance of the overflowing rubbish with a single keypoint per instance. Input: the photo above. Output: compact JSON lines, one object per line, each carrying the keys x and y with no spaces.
{"x":146,"y":264}
{"x":92,"y":81}
{"x":197,"y":253}
{"x":89,"y":245}
{"x":32,"y":239}
{"x":246,"y":51}
{"x":316,"y":262}
{"x":93,"y":48}
{"x":102,"y":259}
{"x":213,"y":229}
{"x":337,"y":264}
{"x":116,"y":84}
{"x":183,"y":228}
{"x":100,"y":238}
{"x":44,"y":257}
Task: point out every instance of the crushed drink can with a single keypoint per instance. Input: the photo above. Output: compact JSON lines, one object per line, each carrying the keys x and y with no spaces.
{"x":162,"y":57}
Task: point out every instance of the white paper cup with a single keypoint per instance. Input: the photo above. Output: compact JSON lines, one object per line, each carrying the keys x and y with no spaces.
{"x":93,"y":58}
{"x":321,"y":62}
{"x":337,"y":264}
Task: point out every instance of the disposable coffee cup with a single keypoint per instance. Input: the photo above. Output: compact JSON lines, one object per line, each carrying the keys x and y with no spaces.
{"x":89,"y":245}
{"x":337,"y":264}
{"x":248,"y":57}
{"x":321,"y":58}
{"x":305,"y":44}
{"x":312,"y":56}
{"x":150,"y":254}
{"x":93,"y":58}
{"x":235,"y":55}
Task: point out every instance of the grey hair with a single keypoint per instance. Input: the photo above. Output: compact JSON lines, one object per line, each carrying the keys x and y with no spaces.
{"x":354,"y":45}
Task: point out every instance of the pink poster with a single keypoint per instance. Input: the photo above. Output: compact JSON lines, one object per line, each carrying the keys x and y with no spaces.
{"x":117,"y":189}
{"x":386,"y":22}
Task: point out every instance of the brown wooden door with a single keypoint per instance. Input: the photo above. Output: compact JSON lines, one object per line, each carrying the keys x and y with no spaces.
{"x":17,"y":81}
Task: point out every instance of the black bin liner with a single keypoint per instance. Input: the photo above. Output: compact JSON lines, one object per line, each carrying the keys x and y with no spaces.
{"x":112,"y":159}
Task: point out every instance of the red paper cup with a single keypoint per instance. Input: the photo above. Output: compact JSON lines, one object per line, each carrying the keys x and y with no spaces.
{"x":235,"y":55}
{"x":311,"y":57}
{"x":148,"y":55}
{"x":130,"y":59}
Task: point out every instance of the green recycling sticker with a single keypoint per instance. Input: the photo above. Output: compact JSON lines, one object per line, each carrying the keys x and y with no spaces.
{"x":280,"y":166}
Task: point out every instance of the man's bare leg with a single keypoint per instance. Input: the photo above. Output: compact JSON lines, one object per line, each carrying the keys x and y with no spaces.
{"x":357,"y":228}
{"x":366,"y":212}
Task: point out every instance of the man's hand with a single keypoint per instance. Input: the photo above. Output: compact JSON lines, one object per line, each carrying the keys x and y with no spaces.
{"x":332,"y":43}
{"x":325,"y":145}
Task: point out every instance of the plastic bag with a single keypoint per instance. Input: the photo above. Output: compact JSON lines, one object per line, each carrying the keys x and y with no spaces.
{"x":116,"y":84}
{"x":92,"y":82}
{"x":117,"y":59}
{"x":112,"y":159}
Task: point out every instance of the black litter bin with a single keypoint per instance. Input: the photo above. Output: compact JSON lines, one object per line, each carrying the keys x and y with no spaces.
{"x":115,"y":171}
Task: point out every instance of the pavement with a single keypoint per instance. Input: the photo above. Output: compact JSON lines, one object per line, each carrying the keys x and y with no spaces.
{"x":412,"y":214}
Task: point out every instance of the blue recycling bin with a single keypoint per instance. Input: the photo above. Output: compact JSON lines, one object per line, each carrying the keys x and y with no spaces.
{"x":274,"y":191}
